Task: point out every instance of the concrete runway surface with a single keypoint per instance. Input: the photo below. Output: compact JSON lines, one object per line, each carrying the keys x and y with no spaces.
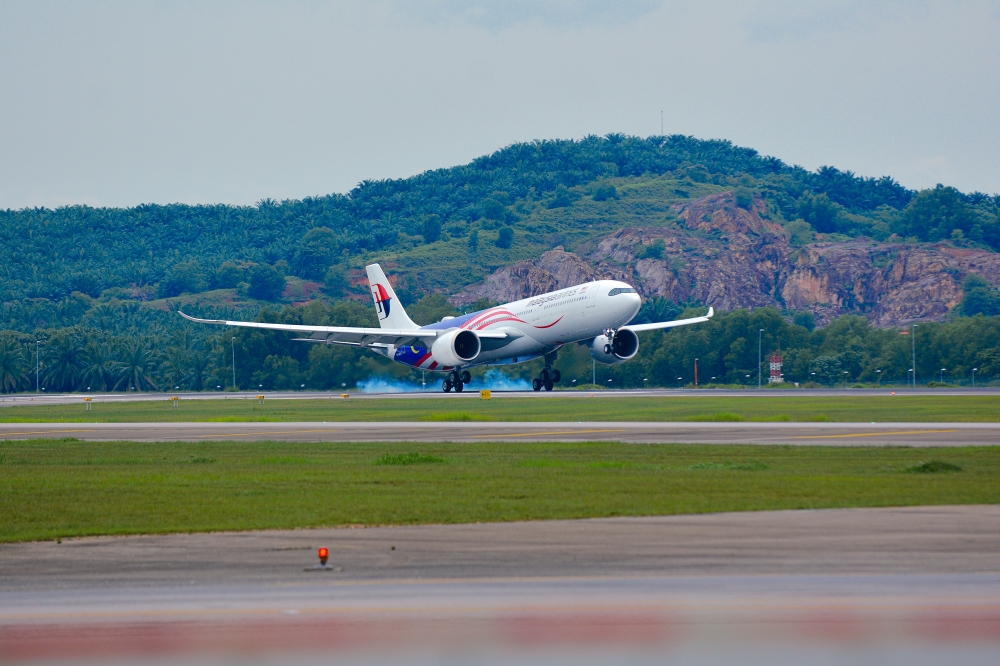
{"x":802,"y":434}
{"x":435,"y":394}
{"x":890,"y":586}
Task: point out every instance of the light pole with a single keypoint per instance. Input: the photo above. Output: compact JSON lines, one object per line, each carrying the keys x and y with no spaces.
{"x":233,"y":344}
{"x":942,"y":374}
{"x":759,"y":334}
{"x":36,"y":365}
{"x":845,"y":378}
{"x":974,"y":377}
{"x":913,"y":352}
{"x":878,"y":373}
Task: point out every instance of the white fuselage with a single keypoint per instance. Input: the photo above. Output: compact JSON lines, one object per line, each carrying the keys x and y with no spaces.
{"x":536,"y":326}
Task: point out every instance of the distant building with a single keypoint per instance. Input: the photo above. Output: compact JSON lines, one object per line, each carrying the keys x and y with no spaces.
{"x":775,"y":377}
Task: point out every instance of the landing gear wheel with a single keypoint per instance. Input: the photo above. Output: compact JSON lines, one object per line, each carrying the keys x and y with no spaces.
{"x":446,"y":386}
{"x":544,"y":376}
{"x":556,"y":376}
{"x":548,"y":385}
{"x":466,"y":377}
{"x":536,"y":384}
{"x":459,"y":387}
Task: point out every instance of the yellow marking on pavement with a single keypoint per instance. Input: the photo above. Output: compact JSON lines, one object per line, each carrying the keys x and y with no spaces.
{"x":535,"y":434}
{"x":875,"y":434}
{"x":43,"y":432}
{"x":247,"y":434}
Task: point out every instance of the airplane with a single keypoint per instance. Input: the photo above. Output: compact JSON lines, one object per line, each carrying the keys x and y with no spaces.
{"x":594,"y":314}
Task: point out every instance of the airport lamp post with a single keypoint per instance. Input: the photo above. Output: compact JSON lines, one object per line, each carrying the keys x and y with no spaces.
{"x":974,"y":377}
{"x":878,"y":373}
{"x":845,"y":378}
{"x":942,"y":374}
{"x":759,"y":334}
{"x":36,"y":366}
{"x":233,"y":344}
{"x":913,"y":352}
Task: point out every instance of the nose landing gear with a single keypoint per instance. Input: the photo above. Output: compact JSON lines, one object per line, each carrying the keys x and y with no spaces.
{"x":547,"y":379}
{"x":456,"y":380}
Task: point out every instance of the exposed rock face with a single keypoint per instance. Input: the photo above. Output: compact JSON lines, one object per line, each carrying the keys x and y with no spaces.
{"x":728,"y":257}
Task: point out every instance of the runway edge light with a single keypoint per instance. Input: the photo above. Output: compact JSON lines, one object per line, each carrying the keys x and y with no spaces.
{"x":323,"y":555}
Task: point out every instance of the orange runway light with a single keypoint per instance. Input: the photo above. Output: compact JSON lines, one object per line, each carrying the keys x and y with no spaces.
{"x":323,"y":554}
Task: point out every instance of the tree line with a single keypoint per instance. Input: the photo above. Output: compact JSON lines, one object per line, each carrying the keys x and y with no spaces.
{"x":145,"y":354}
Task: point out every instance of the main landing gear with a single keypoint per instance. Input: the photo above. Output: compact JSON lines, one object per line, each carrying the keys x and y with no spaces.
{"x":548,"y":378}
{"x":456,"y":380}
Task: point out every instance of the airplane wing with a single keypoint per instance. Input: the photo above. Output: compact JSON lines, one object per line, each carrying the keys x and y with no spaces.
{"x":349,"y":335}
{"x":639,"y":328}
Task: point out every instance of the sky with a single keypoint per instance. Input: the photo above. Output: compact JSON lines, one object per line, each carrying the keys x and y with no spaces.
{"x":122,"y":103}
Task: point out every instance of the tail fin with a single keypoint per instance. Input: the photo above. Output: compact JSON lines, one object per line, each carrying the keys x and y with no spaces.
{"x":390,"y":310}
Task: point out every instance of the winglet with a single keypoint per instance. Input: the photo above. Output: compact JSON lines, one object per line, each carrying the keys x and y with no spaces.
{"x":202,"y":321}
{"x":711,"y":311}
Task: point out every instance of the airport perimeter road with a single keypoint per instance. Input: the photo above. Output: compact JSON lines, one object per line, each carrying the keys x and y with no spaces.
{"x":77,"y":398}
{"x":800,"y":434}
{"x":916,"y":585}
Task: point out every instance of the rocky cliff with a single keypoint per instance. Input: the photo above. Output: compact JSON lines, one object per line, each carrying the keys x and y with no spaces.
{"x":719,"y":254}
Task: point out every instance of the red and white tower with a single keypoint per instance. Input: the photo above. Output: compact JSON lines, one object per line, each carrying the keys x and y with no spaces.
{"x":775,"y":377}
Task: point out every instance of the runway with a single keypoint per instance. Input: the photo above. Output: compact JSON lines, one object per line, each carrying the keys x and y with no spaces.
{"x":434,"y":394}
{"x":797,"y":434}
{"x":908,"y":585}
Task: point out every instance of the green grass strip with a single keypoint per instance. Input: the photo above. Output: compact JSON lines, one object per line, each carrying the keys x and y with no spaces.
{"x":804,"y":408}
{"x":63,"y":488}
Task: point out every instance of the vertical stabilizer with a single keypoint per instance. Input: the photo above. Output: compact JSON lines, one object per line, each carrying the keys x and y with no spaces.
{"x":390,"y":310}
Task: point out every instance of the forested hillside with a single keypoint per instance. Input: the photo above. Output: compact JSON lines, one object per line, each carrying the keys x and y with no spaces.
{"x":98,"y":287}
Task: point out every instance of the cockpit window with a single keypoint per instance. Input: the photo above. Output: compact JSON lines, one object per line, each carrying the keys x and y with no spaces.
{"x":621,"y":290}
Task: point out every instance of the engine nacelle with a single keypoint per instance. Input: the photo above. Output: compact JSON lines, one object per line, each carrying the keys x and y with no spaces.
{"x":456,"y":347}
{"x":624,"y":347}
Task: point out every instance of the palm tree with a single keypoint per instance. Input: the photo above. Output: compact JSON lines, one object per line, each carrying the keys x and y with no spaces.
{"x":199,"y":363}
{"x":64,"y":360}
{"x":135,"y":366}
{"x":100,"y":366}
{"x":12,"y":365}
{"x":173,"y":370}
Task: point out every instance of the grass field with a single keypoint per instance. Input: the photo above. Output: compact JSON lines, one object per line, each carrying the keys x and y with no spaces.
{"x":62,"y":488}
{"x":599,"y":408}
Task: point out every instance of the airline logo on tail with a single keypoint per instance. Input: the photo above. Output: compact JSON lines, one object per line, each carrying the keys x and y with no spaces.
{"x":382,"y":300}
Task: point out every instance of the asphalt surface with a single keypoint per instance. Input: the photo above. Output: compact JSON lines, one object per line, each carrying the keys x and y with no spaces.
{"x":434,"y":394}
{"x":800,"y":434}
{"x":908,"y":585}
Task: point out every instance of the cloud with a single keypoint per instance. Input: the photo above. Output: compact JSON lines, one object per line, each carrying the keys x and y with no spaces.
{"x":500,"y":15}
{"x":207,"y":102}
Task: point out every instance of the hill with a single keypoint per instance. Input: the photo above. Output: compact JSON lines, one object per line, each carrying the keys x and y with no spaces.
{"x":689,"y":222}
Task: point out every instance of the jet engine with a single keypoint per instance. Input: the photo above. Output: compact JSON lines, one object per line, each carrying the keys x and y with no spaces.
{"x":456,"y":348}
{"x":623,"y":346}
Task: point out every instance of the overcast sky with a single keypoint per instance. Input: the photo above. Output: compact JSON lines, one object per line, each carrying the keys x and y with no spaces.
{"x":115,"y":104}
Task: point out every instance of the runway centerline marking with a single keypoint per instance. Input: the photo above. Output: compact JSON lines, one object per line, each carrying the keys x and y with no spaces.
{"x":874,"y":434}
{"x":553,"y":432}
